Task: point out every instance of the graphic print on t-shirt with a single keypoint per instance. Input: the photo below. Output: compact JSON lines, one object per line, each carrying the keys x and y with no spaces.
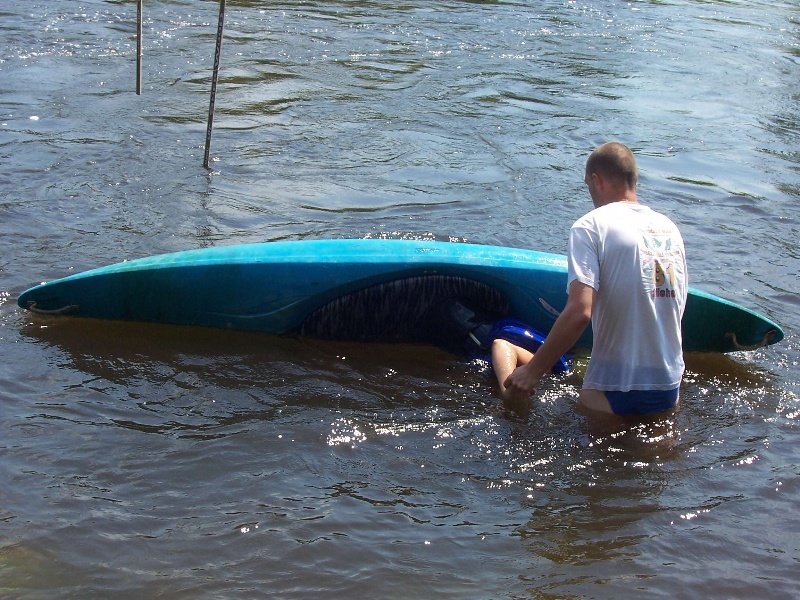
{"x":660,"y":257}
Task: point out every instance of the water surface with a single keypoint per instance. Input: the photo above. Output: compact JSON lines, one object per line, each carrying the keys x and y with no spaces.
{"x":147,"y":461}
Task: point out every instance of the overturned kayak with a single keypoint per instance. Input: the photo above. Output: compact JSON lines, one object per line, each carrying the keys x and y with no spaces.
{"x":361,"y":290}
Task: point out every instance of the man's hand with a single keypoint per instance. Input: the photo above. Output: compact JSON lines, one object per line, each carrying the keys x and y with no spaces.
{"x":522,"y":382}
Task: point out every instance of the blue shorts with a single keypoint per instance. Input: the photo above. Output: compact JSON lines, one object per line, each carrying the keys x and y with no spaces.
{"x":642,"y":402}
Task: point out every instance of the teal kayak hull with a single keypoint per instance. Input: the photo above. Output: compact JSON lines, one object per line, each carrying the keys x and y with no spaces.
{"x":277,"y":286}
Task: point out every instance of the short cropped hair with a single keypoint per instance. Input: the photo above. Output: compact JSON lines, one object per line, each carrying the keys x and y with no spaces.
{"x":616,"y":162}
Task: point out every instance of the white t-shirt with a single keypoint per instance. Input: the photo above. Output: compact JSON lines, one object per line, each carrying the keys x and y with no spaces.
{"x":634,"y":258}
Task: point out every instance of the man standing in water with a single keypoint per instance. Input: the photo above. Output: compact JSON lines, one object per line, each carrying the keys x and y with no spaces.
{"x":628,"y":277}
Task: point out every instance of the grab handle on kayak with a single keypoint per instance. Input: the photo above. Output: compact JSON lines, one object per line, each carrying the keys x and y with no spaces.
{"x":764,"y":342}
{"x":57,"y":311}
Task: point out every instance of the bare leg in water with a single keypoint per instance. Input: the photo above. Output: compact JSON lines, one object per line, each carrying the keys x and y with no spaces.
{"x":505,"y":358}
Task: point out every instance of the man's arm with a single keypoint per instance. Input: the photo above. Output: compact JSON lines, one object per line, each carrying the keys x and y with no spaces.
{"x":566,"y":330}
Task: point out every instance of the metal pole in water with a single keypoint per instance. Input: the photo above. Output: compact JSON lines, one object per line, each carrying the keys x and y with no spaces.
{"x":214,"y":76}
{"x":139,"y":48}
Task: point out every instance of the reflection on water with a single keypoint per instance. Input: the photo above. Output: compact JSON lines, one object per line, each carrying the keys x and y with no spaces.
{"x":25,"y":567}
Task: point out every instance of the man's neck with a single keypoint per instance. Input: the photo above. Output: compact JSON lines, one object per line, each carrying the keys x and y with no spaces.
{"x":627,"y":197}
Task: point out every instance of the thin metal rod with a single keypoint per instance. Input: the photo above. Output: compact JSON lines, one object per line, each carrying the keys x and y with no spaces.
{"x":139,"y":47}
{"x":214,"y":76}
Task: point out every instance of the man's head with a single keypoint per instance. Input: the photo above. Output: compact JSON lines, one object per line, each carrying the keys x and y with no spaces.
{"x":611,"y":173}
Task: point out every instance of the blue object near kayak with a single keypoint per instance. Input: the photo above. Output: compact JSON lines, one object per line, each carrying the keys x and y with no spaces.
{"x":522,"y":335}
